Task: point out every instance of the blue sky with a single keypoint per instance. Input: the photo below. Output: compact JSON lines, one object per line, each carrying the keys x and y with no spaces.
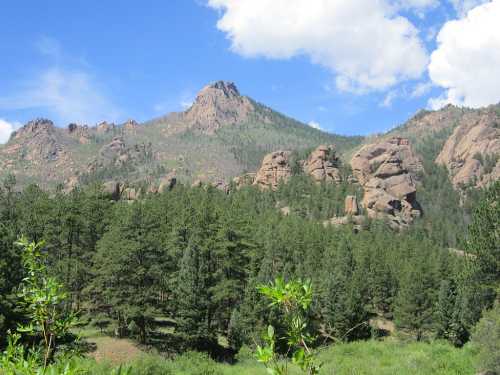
{"x":87,"y":61}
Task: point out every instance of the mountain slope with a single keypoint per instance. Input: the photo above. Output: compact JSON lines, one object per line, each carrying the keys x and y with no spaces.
{"x":223,"y":134}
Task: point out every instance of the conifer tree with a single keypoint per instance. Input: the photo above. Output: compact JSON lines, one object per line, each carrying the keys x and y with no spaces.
{"x":193,"y":299}
{"x":414,"y":303}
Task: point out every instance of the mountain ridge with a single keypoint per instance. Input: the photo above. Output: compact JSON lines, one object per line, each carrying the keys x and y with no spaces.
{"x":223,"y":134}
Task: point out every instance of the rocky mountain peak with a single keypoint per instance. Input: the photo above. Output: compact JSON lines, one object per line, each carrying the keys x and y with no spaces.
{"x":34,"y":128}
{"x":217,"y":105}
{"x":229,"y":89}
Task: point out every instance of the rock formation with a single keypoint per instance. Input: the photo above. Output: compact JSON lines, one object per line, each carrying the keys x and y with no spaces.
{"x":130,"y":127}
{"x":80,"y":132}
{"x":275,"y":168}
{"x":216,"y":105}
{"x":116,"y":153}
{"x":245,"y":180}
{"x":221,"y":185}
{"x":167,"y":183}
{"x":322,"y":165}
{"x":386,"y":170}
{"x":36,"y":142}
{"x":472,"y":153}
{"x":104,"y":127}
{"x":351,"y":206}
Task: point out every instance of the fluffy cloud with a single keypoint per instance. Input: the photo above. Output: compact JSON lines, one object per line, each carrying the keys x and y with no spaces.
{"x":417,"y":5}
{"x":314,"y":124}
{"x":364,"y":42}
{"x":69,"y":96}
{"x":467,"y":60}
{"x":6,"y":128}
{"x":463,"y":6}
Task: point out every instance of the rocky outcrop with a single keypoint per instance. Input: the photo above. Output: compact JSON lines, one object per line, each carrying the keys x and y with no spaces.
{"x":386,"y":170}
{"x":222,"y":186}
{"x":37,"y":142}
{"x":472,"y":153}
{"x":322,"y":165}
{"x":116,"y":153}
{"x":80,"y":132}
{"x":104,"y":127}
{"x":351,"y":206}
{"x":275,"y":169}
{"x":130,"y":127}
{"x":245,"y":180}
{"x":130,"y":194}
{"x":217,"y":105}
{"x":167,"y":183}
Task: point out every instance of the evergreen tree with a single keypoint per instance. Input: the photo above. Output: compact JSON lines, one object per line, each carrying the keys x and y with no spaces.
{"x":414,"y":303}
{"x":342,"y":300}
{"x":193,"y":299}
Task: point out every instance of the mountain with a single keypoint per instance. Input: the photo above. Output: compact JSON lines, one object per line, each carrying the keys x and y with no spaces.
{"x":223,"y":134}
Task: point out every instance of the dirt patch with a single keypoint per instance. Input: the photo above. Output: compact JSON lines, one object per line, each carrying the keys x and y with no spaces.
{"x":113,"y":350}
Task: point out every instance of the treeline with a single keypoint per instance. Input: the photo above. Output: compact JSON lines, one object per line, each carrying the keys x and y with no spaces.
{"x":194,"y":256}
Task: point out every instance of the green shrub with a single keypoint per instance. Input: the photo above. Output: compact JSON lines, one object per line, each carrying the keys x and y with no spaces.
{"x":486,"y":339}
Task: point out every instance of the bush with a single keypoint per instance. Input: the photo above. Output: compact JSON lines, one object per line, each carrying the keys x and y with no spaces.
{"x":486,"y":339}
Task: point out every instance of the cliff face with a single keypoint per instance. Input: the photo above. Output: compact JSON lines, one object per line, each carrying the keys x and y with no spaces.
{"x":386,"y":171}
{"x":217,"y":105}
{"x":471,"y":153}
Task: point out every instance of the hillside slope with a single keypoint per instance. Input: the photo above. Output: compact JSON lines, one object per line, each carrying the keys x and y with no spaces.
{"x":223,"y":134}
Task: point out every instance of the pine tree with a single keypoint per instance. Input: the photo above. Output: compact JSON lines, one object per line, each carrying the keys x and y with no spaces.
{"x":193,"y":299}
{"x":414,"y":303}
{"x":342,"y":297}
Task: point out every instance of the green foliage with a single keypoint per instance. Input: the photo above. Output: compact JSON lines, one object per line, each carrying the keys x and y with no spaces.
{"x":486,"y":338}
{"x":294,"y":299}
{"x":43,"y":298}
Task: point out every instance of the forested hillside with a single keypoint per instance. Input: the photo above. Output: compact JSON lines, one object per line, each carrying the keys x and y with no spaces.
{"x":190,"y":260}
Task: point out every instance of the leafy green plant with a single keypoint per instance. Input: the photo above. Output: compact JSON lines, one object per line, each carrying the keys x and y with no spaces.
{"x":43,"y":298}
{"x":294,"y":299}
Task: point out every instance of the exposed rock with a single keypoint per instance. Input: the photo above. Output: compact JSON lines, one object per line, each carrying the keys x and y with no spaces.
{"x":217,"y":105}
{"x":197,"y":183}
{"x":167,"y":183}
{"x":322,"y":165}
{"x":245,"y":180}
{"x":357,"y":221}
{"x":104,"y":127}
{"x":113,"y":188}
{"x":130,"y":127}
{"x":472,"y":153}
{"x":285,"y":210}
{"x":352,"y":180}
{"x":70,"y":184}
{"x":131,"y":194}
{"x":117,"y":153}
{"x":221,"y":185}
{"x":80,"y":132}
{"x":275,"y":168}
{"x":351,"y":205}
{"x":37,"y":142}
{"x":386,"y":171}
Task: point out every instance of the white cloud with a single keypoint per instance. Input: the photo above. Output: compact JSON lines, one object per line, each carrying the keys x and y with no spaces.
{"x":389,"y":98}
{"x":69,"y":96}
{"x":421,"y":89}
{"x":364,"y":42}
{"x":416,"y":4}
{"x":6,"y":129}
{"x":466,"y":62}
{"x":315,"y":125}
{"x":463,"y":6}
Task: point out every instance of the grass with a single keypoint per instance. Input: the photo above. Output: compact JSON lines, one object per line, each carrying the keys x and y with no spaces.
{"x":358,"y":358}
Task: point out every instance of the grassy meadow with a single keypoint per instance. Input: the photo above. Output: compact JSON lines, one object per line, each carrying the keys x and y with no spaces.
{"x":389,"y":357}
